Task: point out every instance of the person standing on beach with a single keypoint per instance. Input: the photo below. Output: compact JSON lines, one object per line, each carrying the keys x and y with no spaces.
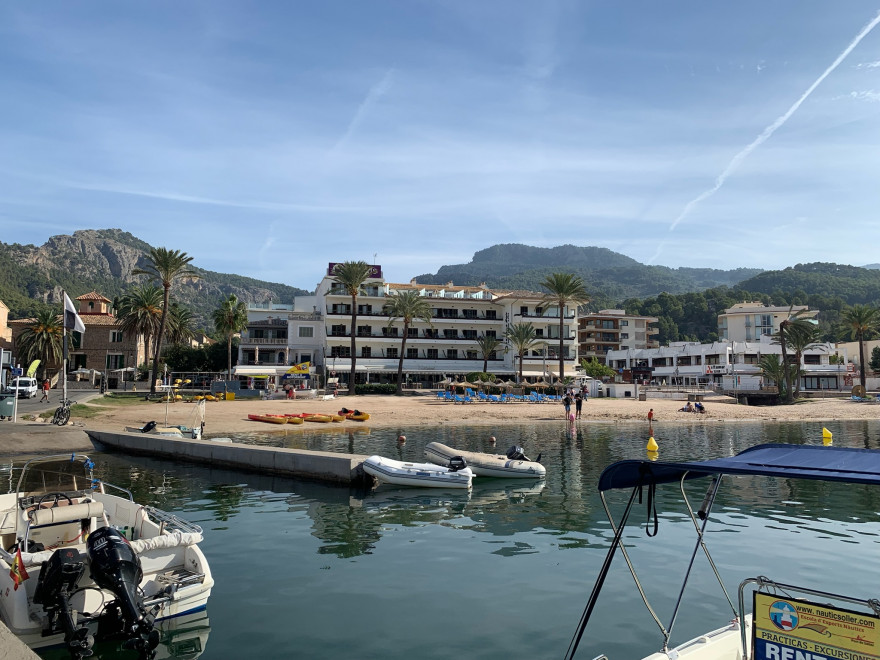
{"x":578,"y":403}
{"x":650,"y":415}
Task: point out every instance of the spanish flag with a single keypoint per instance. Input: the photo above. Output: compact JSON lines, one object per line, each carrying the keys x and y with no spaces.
{"x":17,"y":572}
{"x":301,"y":368}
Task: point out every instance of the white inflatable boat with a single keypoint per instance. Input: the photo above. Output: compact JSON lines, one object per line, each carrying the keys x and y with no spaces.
{"x":514,"y":464}
{"x":454,"y":474}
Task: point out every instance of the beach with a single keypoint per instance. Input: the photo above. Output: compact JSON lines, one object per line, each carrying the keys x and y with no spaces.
{"x":407,"y":413}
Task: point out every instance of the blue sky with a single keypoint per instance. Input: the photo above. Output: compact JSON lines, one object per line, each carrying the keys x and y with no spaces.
{"x":270,"y":138}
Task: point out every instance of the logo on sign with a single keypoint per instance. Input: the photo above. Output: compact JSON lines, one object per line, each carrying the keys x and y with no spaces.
{"x":783,"y":615}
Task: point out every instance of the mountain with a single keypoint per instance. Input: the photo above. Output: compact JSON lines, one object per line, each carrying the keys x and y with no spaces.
{"x":851,"y":284}
{"x":102,"y":260}
{"x":609,"y":276}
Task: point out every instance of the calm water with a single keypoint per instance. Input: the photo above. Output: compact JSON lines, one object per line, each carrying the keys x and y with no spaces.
{"x":310,"y":570}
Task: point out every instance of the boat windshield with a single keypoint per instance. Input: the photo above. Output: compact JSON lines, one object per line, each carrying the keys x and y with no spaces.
{"x":55,"y":474}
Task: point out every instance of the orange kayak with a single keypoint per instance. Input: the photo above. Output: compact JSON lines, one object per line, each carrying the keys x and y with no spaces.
{"x":272,"y":419}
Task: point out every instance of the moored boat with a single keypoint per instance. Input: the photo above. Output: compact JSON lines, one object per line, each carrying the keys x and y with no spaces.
{"x":401,"y":473}
{"x":79,"y":564}
{"x":786,"y":621}
{"x":176,"y":431}
{"x":515,"y":464}
{"x":271,"y":419}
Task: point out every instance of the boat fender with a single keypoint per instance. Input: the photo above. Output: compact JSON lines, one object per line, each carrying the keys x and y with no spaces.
{"x":149,"y":426}
{"x":457,"y":463}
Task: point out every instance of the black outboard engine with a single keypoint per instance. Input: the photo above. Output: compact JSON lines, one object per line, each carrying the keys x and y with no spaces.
{"x":115,"y":566}
{"x":149,"y":426}
{"x":58,"y":579}
{"x":457,"y":463}
{"x":515,"y":453}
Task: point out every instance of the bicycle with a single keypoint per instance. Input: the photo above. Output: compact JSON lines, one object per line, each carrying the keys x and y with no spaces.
{"x":62,"y":413}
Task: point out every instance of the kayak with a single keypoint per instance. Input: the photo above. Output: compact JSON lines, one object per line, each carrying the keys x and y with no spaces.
{"x":355,"y":415}
{"x":271,"y":419}
{"x":294,"y":419}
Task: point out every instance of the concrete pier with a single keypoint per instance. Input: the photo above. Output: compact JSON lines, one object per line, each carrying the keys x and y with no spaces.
{"x":320,"y":465}
{"x":12,"y":648}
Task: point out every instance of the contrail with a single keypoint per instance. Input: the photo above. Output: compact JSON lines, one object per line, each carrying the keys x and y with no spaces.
{"x":376,"y":92}
{"x":771,"y":129}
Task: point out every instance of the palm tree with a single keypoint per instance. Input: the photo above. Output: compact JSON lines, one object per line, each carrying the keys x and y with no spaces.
{"x":165,"y":266}
{"x":229,"y":318}
{"x":863,"y":322}
{"x":406,"y":306}
{"x":488,"y":345}
{"x":772,"y":370}
{"x":352,"y":275}
{"x":42,"y":339}
{"x":181,"y":324}
{"x":801,"y":337}
{"x":564,"y":289}
{"x":139,"y":311}
{"x":792,"y":324}
{"x":523,"y":338}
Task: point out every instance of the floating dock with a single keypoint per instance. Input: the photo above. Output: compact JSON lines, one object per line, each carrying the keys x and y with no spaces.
{"x":302,"y":463}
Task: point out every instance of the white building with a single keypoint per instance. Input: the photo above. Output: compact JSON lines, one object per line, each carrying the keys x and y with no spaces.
{"x":749,"y":321}
{"x":727,"y":364}
{"x":318,"y":329}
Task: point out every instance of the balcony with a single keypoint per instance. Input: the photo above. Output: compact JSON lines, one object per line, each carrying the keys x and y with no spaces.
{"x":262,"y":341}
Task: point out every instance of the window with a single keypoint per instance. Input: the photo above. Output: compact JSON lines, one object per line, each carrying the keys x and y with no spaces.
{"x":491,"y":314}
{"x":337,"y":331}
{"x":433,"y":354}
{"x":490,"y":333}
{"x":539,"y":311}
{"x":624,"y":323}
{"x":471,"y":355}
{"x":305,"y":357}
{"x":470,"y":313}
{"x":412,"y":332}
{"x":366,"y":351}
{"x":91,"y":306}
{"x":432,"y":333}
{"x":452,"y":354}
{"x":79,"y":361}
{"x":364,"y":331}
{"x":115,"y":336}
{"x":365,"y":309}
{"x":77,"y":339}
{"x":539,"y":332}
{"x":624,"y":335}
{"x":524,"y":311}
{"x":469,"y":334}
{"x":391,"y":352}
{"x":306,"y":331}
{"x":412,"y":353}
{"x":115,"y":361}
{"x":389,"y":332}
{"x":450,"y":334}
{"x":340,"y":351}
{"x":257,"y":333}
{"x":812,"y":359}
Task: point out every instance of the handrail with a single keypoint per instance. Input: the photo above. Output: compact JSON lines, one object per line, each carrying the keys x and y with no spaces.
{"x":170,"y":521}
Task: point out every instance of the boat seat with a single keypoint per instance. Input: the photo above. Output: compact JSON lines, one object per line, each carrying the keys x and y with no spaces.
{"x":62,"y":514}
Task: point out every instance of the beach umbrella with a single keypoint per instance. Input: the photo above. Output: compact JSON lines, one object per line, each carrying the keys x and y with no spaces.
{"x":540,"y":384}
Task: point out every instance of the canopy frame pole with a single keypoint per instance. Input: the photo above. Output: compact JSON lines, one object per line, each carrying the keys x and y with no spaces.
{"x":603,"y":573}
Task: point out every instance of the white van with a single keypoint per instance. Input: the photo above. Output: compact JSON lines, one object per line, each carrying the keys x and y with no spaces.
{"x":27,"y":388}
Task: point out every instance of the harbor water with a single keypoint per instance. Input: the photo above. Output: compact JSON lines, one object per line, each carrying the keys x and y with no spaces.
{"x":311,"y":570}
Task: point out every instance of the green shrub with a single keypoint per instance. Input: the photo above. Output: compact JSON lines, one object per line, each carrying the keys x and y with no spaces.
{"x":375,"y":388}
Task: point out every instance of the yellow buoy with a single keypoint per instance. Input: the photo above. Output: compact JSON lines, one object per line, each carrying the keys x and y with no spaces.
{"x":652,"y":444}
{"x":826,"y":436}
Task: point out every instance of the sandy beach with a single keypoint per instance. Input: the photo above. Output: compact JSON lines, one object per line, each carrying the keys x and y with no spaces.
{"x":411,"y":412}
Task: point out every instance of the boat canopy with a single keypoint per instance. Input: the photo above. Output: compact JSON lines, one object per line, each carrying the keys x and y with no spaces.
{"x":769,"y":460}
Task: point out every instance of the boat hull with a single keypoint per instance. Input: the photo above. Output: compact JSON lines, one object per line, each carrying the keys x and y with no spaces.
{"x":486,"y":465}
{"x":721,"y":644}
{"x":423,"y":475}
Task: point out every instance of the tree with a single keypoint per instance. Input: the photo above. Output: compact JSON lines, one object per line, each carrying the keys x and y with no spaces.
{"x":352,"y":275}
{"x":229,"y":318}
{"x":488,"y":345}
{"x":564,"y":289}
{"x":862,"y":321}
{"x":801,"y":337}
{"x":165,"y":266}
{"x":42,"y":339}
{"x":180,"y":324}
{"x":773,"y":371}
{"x":595,"y":369}
{"x":407,"y":306}
{"x":139,"y":311}
{"x":523,"y":338}
{"x":790,"y":326}
{"x":875,"y":360}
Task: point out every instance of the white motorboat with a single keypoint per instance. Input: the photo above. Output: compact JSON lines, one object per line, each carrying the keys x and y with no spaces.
{"x":79,"y":563}
{"x":175,"y":430}
{"x":786,"y":621}
{"x":514,"y":464}
{"x":455,"y":475}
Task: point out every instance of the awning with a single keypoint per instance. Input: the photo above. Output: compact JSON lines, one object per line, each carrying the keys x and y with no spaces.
{"x":257,"y":371}
{"x":770,"y":460}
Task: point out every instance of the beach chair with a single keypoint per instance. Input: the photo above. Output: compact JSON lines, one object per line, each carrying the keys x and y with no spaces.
{"x":441,"y":394}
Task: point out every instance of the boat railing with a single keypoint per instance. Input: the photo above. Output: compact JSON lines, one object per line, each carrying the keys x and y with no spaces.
{"x":170,"y":522}
{"x":104,"y":484}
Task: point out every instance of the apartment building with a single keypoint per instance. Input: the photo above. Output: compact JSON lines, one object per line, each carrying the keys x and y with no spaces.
{"x":749,"y":321}
{"x":614,"y":330}
{"x":319,"y":327}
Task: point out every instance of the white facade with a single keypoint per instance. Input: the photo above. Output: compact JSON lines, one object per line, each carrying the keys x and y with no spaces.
{"x":749,"y":321}
{"x":726,"y":364}
{"x":445,"y":347}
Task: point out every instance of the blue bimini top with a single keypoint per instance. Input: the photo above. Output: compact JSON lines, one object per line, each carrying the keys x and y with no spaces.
{"x":860,"y":466}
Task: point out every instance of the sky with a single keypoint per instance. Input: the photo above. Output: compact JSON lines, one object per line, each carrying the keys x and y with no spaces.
{"x":268,"y":138}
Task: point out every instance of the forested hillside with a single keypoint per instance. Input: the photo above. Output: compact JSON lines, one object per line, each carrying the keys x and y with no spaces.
{"x":32,"y":277}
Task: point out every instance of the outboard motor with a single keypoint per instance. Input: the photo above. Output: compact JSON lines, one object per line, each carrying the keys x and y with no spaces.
{"x":515,"y":453}
{"x":116,"y":567}
{"x":58,"y":579}
{"x":457,"y":463}
{"x":149,"y":426}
